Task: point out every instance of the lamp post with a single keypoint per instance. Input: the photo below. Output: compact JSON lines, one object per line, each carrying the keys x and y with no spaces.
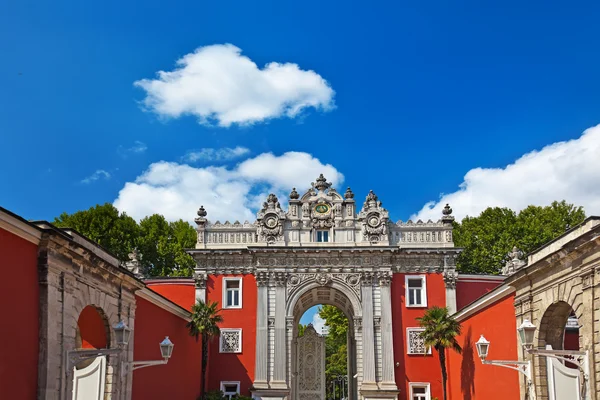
{"x":524,"y":367}
{"x":166,"y":350}
{"x":580,"y":358}
{"x":122,"y":334}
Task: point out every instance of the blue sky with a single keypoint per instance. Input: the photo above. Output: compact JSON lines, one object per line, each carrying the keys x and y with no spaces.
{"x":410,"y":99}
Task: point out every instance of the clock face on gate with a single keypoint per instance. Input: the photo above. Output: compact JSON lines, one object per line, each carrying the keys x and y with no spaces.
{"x":322,"y":208}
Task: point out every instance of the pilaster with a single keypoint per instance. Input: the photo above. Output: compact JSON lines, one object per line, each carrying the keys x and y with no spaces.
{"x":368,"y":345}
{"x":279,"y":373}
{"x":262,"y":338}
{"x":388,"y":380}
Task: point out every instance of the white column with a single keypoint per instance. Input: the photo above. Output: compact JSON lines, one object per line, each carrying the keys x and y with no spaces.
{"x":279,"y":375}
{"x":387,"y":341}
{"x":368,"y":345}
{"x":261,"y":370}
{"x":200,"y":280}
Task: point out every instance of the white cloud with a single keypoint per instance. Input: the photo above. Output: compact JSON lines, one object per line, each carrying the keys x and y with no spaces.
{"x":318,"y":323}
{"x":217,"y":83}
{"x":210,"y":154}
{"x":560,"y":171}
{"x":177,"y":190}
{"x":137,"y":148}
{"x":98,"y":174}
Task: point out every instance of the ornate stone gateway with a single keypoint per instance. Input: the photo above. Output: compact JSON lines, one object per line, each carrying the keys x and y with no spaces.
{"x":322,"y":250}
{"x":311,"y":365}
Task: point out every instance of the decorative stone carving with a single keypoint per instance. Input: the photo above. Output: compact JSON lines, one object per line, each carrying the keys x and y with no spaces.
{"x":321,"y":183}
{"x":262,"y":278}
{"x":294,"y":195}
{"x":280,"y":278}
{"x":357,"y":323}
{"x":349,"y":194}
{"x":200,"y":280}
{"x":323,"y":279}
{"x":321,"y":215}
{"x":367,"y":278}
{"x":447,"y":215}
{"x":377,"y":322}
{"x":270,"y":220}
{"x":416,"y":343}
{"x":374,"y":219}
{"x":311,"y":365}
{"x":513,"y":262}
{"x":450,"y":278}
{"x":384,"y":278}
{"x":271,"y":322}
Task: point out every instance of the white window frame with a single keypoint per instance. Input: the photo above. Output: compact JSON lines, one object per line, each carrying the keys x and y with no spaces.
{"x":225,"y":280}
{"x":239,"y":349}
{"x":229,"y":394}
{"x":423,"y":290}
{"x":420,"y":384}
{"x":408,"y":330}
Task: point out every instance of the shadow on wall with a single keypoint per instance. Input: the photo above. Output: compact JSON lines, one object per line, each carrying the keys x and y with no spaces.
{"x":467,"y":367}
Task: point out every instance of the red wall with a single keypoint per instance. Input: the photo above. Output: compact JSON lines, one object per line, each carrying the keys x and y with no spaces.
{"x":180,"y":378}
{"x":468,"y":378}
{"x":467,"y":291}
{"x":418,"y":367}
{"x":92,"y":329}
{"x":19,"y":289}
{"x":181,"y":291}
{"x":234,"y":367}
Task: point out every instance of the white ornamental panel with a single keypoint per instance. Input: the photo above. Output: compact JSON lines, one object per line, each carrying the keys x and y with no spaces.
{"x":311,"y":365}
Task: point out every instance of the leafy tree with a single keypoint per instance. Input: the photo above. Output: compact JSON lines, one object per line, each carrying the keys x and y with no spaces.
{"x":336,"y":351}
{"x":205,"y":322}
{"x":440,"y":333}
{"x":116,"y":232}
{"x":162,"y":245}
{"x":301,"y":329}
{"x":488,"y":238}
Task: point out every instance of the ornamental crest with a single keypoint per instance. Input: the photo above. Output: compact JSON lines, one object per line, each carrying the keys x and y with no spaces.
{"x":374,"y":219}
{"x":270,"y":220}
{"x":321,"y":215}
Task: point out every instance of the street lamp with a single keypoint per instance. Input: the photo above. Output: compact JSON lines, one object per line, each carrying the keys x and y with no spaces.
{"x":580,"y":358}
{"x":166,"y":350}
{"x":122,"y":334}
{"x":524,"y":367}
{"x":526,"y":333}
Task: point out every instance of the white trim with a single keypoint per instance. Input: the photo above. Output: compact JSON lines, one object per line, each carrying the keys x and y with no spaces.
{"x":490,"y":298}
{"x":239,"y":350}
{"x":419,"y":384}
{"x":224,"y":290}
{"x":156,"y":299}
{"x":423,"y":303}
{"x":480,"y":278}
{"x":428,"y":349}
{"x":223,"y":383}
{"x":20,"y":228}
{"x":179,"y":281}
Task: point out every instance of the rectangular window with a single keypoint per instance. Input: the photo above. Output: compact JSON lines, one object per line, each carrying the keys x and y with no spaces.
{"x":230,"y":389}
{"x":419,"y":391}
{"x":230,"y":340}
{"x":415,"y":343}
{"x":322,"y":236}
{"x":232,"y":292}
{"x":416,"y":291}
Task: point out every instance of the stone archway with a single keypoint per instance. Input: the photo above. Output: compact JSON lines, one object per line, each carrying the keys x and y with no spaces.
{"x":334,"y":294}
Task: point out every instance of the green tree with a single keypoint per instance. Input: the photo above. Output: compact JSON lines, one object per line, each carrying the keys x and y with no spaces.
{"x":488,"y":238}
{"x":204,"y":323}
{"x":336,"y":351}
{"x":440,"y":332}
{"x":161,"y":245}
{"x":301,"y":329}
{"x":116,"y":232}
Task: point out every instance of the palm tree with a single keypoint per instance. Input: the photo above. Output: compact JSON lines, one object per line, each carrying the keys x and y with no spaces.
{"x":440,"y":333}
{"x":204,"y":322}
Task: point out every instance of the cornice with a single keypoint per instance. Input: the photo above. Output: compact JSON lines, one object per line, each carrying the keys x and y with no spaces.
{"x":19,"y":227}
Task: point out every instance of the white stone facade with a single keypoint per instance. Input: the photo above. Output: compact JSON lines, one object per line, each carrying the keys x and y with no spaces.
{"x":322,"y":250}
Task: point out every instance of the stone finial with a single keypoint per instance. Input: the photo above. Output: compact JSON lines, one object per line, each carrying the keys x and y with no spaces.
{"x":321,"y":183}
{"x":294,"y":195}
{"x":349,"y":194}
{"x":202,"y":212}
{"x":514,"y":261}
{"x":447,"y":214}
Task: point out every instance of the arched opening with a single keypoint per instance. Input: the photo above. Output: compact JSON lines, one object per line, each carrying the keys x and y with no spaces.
{"x":559,"y":329}
{"x":92,"y":329}
{"x":339,"y":381}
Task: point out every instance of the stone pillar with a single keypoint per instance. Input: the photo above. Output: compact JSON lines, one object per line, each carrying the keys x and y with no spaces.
{"x":388,"y":380}
{"x":368,"y":345}
{"x":450,"y":278}
{"x":280,"y":367}
{"x":200,"y":280}
{"x":262,"y":337}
